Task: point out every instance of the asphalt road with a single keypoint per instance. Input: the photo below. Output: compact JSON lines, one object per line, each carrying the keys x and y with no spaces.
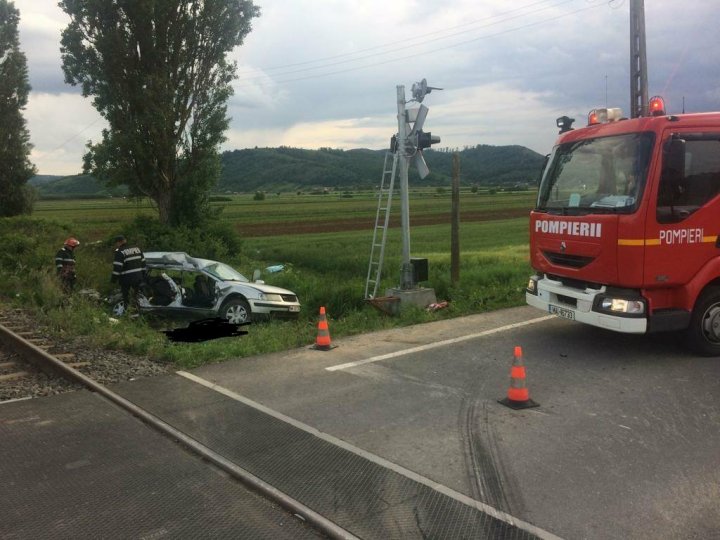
{"x":625,"y":443}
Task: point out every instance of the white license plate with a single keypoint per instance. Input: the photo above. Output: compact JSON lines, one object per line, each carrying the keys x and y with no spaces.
{"x":562,"y":312}
{"x":294,"y":308}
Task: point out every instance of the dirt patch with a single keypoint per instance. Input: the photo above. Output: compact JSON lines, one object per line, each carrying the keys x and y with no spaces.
{"x":249,"y":230}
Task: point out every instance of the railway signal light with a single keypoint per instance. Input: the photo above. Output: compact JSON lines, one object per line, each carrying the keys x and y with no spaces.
{"x":424,"y":140}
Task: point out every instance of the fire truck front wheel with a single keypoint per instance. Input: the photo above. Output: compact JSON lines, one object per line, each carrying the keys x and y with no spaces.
{"x":703,"y":334}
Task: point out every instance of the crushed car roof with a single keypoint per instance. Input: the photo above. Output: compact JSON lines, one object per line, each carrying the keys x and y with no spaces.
{"x":177,"y":259}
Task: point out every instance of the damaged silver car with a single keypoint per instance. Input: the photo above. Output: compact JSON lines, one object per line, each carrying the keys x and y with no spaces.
{"x":180,"y":286}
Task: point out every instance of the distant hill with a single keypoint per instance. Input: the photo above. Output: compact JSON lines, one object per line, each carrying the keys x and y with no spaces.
{"x":284,"y":168}
{"x":42,"y":179}
{"x":77,"y":186}
{"x":290,"y":169}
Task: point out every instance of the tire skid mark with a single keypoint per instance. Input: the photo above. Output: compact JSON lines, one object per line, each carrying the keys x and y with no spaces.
{"x":487,"y":473}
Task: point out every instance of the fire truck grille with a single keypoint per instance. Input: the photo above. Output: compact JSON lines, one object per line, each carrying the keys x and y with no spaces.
{"x":575,"y":283}
{"x":564,"y":259}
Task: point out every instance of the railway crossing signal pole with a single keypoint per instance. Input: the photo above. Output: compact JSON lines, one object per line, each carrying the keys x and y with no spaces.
{"x":410,"y":142}
{"x":407,"y":280}
{"x":638,"y":60}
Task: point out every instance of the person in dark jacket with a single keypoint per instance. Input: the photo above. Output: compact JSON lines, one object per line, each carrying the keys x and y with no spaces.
{"x":65,"y":263}
{"x":128,"y":269}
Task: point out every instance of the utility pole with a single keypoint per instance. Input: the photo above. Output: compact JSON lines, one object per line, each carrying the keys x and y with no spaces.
{"x":455,"y":221}
{"x":638,"y":60}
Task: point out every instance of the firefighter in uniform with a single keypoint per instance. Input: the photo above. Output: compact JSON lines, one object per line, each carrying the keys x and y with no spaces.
{"x":128,"y":269}
{"x":65,"y":263}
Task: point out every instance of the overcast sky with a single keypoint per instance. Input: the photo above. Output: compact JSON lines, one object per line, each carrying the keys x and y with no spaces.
{"x":318,"y":73}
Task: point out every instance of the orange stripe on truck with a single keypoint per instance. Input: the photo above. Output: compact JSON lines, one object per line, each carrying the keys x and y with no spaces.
{"x":638,"y":242}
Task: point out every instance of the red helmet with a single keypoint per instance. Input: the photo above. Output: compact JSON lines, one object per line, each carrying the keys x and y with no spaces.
{"x":72,"y":242}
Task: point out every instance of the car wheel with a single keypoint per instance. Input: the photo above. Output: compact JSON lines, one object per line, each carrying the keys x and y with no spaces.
{"x":703,"y":334}
{"x":236,"y":311}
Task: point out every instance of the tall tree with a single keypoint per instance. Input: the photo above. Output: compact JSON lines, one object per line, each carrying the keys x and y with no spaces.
{"x":16,"y":196}
{"x":158,"y":73}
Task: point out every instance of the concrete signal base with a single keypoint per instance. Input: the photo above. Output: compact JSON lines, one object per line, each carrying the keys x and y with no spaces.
{"x":420,"y":297}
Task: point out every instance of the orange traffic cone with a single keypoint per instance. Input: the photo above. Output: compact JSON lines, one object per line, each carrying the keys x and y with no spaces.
{"x":518,"y":396}
{"x":322,"y":342}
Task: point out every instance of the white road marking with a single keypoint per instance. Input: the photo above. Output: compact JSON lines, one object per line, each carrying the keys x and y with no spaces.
{"x":15,"y":399}
{"x":469,"y":501}
{"x":439,"y":343}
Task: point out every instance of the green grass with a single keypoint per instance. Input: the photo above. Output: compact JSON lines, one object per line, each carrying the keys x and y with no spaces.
{"x":325,"y":269}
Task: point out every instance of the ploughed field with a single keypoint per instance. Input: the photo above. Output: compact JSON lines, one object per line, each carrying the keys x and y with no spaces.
{"x":290,"y":213}
{"x":360,"y":224}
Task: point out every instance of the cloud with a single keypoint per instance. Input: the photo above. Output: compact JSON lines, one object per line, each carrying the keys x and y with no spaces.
{"x":40,"y":26}
{"x":60,"y":125}
{"x":324,"y":74}
{"x":491,"y":114}
{"x":488,"y":114}
{"x":349,"y":133}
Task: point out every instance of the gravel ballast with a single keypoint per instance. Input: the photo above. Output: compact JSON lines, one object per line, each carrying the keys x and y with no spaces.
{"x":104,"y":366}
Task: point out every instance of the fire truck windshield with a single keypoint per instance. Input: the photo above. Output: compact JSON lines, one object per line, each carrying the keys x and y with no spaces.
{"x":601,"y":175}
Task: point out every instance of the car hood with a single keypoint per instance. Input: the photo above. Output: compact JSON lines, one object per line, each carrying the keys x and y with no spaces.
{"x":262,"y":287}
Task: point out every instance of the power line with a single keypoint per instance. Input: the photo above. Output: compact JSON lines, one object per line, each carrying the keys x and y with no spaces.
{"x":405,"y":41}
{"x":83,"y":130}
{"x":432,"y":51}
{"x":407,"y":44}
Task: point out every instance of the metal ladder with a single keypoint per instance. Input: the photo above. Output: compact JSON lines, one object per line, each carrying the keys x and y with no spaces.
{"x":382,"y":218}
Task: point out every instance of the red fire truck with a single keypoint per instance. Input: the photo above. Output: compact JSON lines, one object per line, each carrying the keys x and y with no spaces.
{"x":625,"y":234}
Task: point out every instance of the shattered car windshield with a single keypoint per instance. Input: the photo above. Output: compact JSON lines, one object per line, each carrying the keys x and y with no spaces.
{"x":601,"y":175}
{"x":224,"y":272}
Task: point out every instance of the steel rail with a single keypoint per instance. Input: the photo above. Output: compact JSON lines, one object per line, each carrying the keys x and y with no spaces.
{"x":46,"y":362}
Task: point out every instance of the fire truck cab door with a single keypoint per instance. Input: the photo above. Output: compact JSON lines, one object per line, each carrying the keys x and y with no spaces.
{"x":682,"y":232}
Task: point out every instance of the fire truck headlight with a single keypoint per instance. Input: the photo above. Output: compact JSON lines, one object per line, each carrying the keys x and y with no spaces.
{"x":623,"y":305}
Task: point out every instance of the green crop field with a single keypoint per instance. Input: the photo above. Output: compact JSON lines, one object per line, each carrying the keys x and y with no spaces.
{"x":322,"y":241}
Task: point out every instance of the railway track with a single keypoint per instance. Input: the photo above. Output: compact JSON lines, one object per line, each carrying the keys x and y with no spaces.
{"x":32,"y":364}
{"x":22,"y":375}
